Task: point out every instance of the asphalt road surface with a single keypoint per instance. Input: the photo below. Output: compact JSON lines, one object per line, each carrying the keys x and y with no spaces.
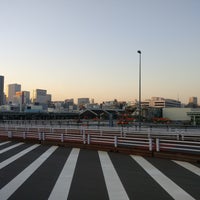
{"x":33,"y":171}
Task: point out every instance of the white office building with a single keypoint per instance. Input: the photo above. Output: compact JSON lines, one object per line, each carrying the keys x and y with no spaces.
{"x":159,"y":102}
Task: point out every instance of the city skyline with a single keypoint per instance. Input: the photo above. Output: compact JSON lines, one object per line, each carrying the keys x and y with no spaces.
{"x":12,"y":87}
{"x":89,"y":48}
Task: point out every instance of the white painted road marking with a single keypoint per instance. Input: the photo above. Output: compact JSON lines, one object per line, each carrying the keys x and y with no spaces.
{"x":13,"y":185}
{"x":167,"y":184}
{"x":15,"y":157}
{"x":63,"y":184}
{"x":10,"y":147}
{"x":2,"y":143}
{"x":189,"y":167}
{"x":114,"y":186}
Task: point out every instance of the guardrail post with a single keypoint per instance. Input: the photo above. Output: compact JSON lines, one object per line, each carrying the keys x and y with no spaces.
{"x":115,"y":141}
{"x":182,"y":137}
{"x":62,"y":137}
{"x":101,"y":132}
{"x":39,"y":136}
{"x":121,"y":131}
{"x":135,"y":127}
{"x":43,"y":136}
{"x":24,"y":135}
{"x":177,"y":136}
{"x":84,"y":137}
{"x":125,"y":133}
{"x":88,"y":138}
{"x":10,"y":134}
{"x":157,"y":144}
{"x":149,"y":130}
{"x":150,"y":144}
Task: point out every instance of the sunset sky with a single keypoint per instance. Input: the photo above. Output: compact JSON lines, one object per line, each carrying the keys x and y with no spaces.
{"x":88,"y":48}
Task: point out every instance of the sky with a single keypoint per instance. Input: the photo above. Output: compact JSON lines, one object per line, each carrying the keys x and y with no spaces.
{"x":88,"y":48}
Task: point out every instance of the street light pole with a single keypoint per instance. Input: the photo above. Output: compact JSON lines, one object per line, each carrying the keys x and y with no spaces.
{"x":140,"y":110}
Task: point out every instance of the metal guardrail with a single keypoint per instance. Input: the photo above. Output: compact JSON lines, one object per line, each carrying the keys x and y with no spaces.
{"x":180,"y":146}
{"x":110,"y":137}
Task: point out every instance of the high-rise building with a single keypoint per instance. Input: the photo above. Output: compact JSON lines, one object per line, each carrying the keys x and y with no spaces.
{"x":26,"y":97}
{"x":12,"y":89}
{"x":40,"y":96}
{"x":22,"y":97}
{"x":193,"y":100}
{"x":1,"y":90}
{"x":193,"y":103}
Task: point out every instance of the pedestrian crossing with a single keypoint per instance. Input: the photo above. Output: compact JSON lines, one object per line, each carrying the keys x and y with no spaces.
{"x":114,"y":185}
{"x":62,"y":186}
{"x":34,"y":171}
{"x":189,"y":166}
{"x":167,"y":184}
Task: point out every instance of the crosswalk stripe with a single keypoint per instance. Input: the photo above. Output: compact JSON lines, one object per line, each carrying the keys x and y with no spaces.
{"x":62,"y":186}
{"x":2,"y":143}
{"x":15,"y":157}
{"x":10,"y":147}
{"x":13,"y":185}
{"x":173,"y":189}
{"x":188,"y":166}
{"x":114,"y":186}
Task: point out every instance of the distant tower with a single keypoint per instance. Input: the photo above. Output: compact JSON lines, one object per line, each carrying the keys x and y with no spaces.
{"x":12,"y":89}
{"x":193,"y":100}
{"x":1,"y":90}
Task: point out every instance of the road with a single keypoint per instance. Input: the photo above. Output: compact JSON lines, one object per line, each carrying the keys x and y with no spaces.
{"x":34,"y":171}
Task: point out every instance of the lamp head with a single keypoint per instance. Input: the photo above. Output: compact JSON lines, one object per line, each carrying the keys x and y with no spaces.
{"x":139,"y":51}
